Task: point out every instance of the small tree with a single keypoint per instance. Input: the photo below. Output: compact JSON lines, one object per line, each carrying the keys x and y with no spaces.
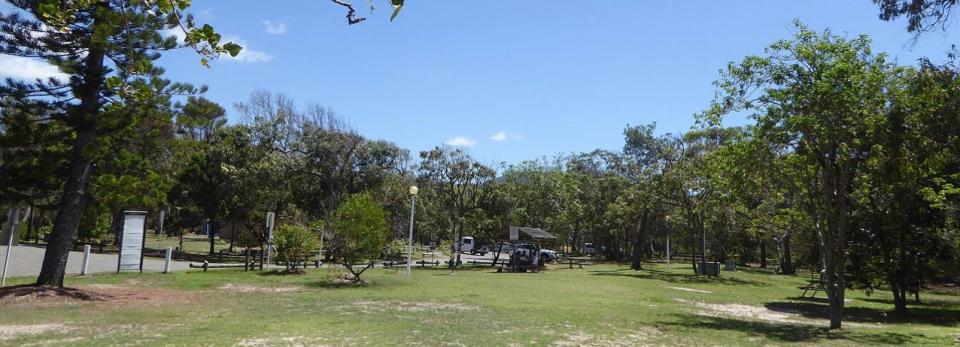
{"x":294,"y":245}
{"x":361,"y":230}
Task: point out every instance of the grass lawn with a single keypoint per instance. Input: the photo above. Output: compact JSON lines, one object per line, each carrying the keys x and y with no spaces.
{"x":603,"y":305}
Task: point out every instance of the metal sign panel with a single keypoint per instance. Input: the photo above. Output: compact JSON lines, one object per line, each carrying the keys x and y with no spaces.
{"x":132,"y":240}
{"x":514,"y":233}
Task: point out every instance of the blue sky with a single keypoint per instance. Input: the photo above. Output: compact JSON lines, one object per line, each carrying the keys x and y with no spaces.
{"x":516,"y":80}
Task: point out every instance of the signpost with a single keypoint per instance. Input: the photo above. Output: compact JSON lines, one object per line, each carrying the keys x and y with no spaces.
{"x":132,"y":241}
{"x":12,"y":218}
{"x":271,"y":217}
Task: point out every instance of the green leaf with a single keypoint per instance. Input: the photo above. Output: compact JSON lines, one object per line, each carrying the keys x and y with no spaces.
{"x":232,"y":48}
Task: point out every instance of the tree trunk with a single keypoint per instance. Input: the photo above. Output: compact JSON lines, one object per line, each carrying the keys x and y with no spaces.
{"x":703,"y":245}
{"x":786,"y":267}
{"x":233,"y":235}
{"x":639,"y":243}
{"x":74,"y":198}
{"x":30,"y":222}
{"x":210,"y":229}
{"x":899,"y":297}
{"x":763,"y":253}
{"x":459,"y":236}
{"x":69,"y":212}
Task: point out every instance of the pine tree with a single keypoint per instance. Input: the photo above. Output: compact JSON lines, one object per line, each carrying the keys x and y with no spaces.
{"x":107,"y":48}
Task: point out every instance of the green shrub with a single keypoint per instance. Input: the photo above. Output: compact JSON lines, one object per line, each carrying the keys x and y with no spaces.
{"x":294,"y":245}
{"x":361,"y":229}
{"x":397,"y":247}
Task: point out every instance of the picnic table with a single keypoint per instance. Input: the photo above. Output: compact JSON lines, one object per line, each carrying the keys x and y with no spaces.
{"x":815,"y":283}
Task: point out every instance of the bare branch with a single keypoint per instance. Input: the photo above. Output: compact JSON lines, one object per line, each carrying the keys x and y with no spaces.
{"x":352,"y":17}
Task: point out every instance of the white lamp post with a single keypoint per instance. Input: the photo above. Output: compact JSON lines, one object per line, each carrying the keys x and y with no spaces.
{"x":413,"y":205}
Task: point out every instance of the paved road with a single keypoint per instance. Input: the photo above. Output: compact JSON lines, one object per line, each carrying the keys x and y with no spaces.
{"x":27,"y":260}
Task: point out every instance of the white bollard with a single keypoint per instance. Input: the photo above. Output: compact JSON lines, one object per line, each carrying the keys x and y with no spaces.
{"x":166,"y":260}
{"x":86,"y":260}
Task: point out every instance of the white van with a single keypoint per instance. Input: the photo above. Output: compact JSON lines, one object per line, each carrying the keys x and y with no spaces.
{"x":465,"y":245}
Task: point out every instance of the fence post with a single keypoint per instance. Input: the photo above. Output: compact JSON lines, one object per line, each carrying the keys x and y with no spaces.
{"x":86,"y":260}
{"x":166,"y":260}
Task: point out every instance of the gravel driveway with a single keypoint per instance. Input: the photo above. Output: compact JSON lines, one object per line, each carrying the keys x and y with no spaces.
{"x":27,"y":260}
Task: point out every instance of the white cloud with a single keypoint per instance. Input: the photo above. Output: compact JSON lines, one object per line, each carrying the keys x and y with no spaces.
{"x":461,"y":141}
{"x":207,"y":14}
{"x":277,"y":28}
{"x":504,"y":136}
{"x":28,"y":69}
{"x":247,"y":55}
{"x":177,"y":32}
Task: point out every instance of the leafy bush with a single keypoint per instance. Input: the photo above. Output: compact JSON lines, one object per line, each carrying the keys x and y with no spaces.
{"x":294,"y":245}
{"x":396,"y":248}
{"x":361,"y":229}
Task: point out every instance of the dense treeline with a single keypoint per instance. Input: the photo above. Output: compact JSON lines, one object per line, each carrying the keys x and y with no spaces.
{"x":849,"y":164}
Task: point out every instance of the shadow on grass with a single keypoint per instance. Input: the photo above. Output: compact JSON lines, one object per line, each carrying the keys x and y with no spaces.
{"x":911,"y":304}
{"x":281,"y":273}
{"x":340,"y":285}
{"x":794,"y":333}
{"x":652,"y":274}
{"x":818,"y":309}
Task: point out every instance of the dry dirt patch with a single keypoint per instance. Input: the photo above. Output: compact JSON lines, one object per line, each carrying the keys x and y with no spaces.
{"x":298,"y":341}
{"x":639,"y":337}
{"x":8,"y":332}
{"x":404,"y":306}
{"x":750,"y":312}
{"x":245,"y":288}
{"x":106,"y":294}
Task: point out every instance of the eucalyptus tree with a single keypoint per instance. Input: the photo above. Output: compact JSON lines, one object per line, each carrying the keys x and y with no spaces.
{"x":815,"y":95}
{"x":462,"y":185}
{"x":599,"y":175}
{"x":642,"y":203}
{"x":922,"y":15}
{"x":540,"y":194}
{"x":901,"y":232}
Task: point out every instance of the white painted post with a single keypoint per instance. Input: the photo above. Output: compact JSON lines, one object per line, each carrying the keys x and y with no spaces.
{"x":86,"y":260}
{"x":166,"y":260}
{"x":668,"y":251}
{"x":12,"y":219}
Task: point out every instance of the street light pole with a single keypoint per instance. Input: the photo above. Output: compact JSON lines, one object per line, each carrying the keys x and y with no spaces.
{"x":413,"y":206}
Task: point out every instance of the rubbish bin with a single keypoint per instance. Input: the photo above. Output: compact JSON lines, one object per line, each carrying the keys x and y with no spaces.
{"x":711,"y":269}
{"x":730,"y":265}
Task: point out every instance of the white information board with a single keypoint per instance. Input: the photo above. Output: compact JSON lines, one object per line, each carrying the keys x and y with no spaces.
{"x":131,"y":241}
